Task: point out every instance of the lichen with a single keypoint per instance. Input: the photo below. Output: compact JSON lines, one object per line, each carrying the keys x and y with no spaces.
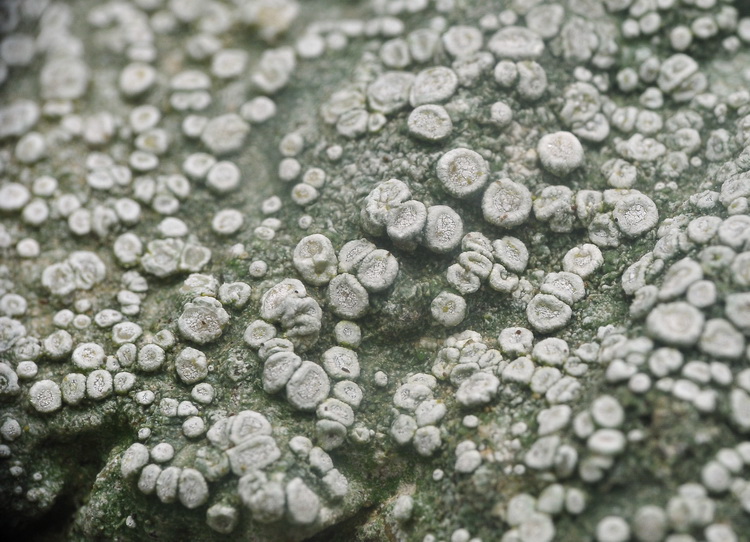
{"x":390,"y":270}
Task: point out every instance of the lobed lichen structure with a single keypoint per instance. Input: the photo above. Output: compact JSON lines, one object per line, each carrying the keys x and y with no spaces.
{"x":385,"y":270}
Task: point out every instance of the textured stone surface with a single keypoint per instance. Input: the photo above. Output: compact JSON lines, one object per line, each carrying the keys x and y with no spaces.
{"x":362,"y":271}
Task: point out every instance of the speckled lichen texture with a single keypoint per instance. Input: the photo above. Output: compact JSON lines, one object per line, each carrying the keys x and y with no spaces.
{"x":387,"y":270}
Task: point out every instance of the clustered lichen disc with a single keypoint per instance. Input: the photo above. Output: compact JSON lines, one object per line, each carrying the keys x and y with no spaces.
{"x":404,"y":270}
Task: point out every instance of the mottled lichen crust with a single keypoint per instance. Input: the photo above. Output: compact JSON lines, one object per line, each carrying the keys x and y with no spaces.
{"x":400,"y":270}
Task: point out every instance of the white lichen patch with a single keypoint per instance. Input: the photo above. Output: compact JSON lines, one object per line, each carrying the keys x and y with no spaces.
{"x":536,"y":213}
